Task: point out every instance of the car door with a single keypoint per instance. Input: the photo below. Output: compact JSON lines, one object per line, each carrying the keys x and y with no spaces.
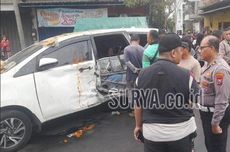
{"x":59,"y":86}
{"x":110,"y":68}
{"x":86,"y":84}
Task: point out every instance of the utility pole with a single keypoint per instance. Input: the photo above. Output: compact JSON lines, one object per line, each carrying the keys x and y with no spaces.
{"x":19,"y":24}
{"x":179,"y":16}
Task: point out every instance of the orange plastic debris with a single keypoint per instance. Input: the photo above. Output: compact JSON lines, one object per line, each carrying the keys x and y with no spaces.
{"x":65,"y":141}
{"x":78,"y":133}
{"x":81,"y":131}
{"x":49,"y":42}
{"x":88,"y":128}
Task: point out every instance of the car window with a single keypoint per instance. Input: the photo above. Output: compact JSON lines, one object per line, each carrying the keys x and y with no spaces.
{"x":71,"y":54}
{"x":22,"y":55}
{"x":143,"y":38}
{"x":110,"y":45}
{"x":29,"y":68}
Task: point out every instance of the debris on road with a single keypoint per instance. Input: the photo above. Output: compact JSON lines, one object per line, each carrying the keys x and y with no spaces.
{"x":115,"y":113}
{"x":80,"y":132}
{"x":131,"y":114}
{"x":88,"y":128}
{"x":65,"y":141}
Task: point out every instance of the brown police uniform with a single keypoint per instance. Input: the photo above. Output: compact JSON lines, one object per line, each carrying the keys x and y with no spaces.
{"x":215,"y":109}
{"x":224,"y":50}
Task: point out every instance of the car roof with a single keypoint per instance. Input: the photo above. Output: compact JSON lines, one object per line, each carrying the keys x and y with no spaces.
{"x":62,"y":37}
{"x":139,"y":30}
{"x":65,"y":36}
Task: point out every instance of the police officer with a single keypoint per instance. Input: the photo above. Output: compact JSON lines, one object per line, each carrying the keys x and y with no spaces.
{"x":214,"y":108}
{"x":162,"y":109}
{"x":224,"y":49}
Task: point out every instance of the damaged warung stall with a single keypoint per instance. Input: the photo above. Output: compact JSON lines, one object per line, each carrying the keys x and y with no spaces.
{"x":56,"y":77}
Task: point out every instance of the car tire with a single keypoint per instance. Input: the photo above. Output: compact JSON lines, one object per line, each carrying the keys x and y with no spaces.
{"x":15,"y":130}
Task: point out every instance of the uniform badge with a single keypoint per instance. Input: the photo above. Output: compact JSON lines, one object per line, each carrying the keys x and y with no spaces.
{"x":219,"y":78}
{"x":207,"y":76}
{"x":204,"y":84}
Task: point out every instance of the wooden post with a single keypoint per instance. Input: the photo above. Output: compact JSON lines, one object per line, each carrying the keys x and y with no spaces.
{"x":19,"y":24}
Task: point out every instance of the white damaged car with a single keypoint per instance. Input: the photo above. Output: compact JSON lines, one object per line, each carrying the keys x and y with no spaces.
{"x":57,"y":77}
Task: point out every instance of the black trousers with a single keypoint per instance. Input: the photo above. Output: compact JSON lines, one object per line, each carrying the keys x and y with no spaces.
{"x":182,"y":145}
{"x":213,"y":142}
{"x":129,"y":86}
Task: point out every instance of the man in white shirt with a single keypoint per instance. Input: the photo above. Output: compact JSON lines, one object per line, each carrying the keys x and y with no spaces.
{"x":188,"y":61}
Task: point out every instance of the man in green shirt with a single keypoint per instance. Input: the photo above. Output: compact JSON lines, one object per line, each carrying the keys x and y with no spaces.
{"x":151,"y":52}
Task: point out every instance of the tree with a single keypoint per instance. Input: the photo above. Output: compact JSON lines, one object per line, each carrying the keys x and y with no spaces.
{"x":170,"y":24}
{"x":159,"y":10}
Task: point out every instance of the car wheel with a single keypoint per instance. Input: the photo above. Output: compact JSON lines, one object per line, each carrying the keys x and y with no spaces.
{"x":15,"y":130}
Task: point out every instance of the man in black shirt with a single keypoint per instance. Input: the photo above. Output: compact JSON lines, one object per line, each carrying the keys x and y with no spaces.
{"x":162,"y":101}
{"x":133,"y":56}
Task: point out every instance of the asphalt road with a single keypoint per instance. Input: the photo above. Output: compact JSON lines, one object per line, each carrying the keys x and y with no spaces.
{"x":112,"y":133}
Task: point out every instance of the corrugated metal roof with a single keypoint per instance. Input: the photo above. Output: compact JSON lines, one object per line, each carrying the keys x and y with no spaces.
{"x":210,"y":2}
{"x":217,"y":5}
{"x":67,"y":1}
{"x":6,"y":1}
{"x":57,"y":1}
{"x":215,"y":10}
{"x":62,"y":3}
{"x":225,"y":4}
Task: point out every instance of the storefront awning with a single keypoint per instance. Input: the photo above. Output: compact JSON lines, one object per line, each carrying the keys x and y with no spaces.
{"x":7,"y":7}
{"x":219,"y":6}
{"x":70,"y":3}
{"x":86,"y":24}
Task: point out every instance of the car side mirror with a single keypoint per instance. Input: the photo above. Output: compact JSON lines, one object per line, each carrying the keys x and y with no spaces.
{"x":47,"y":63}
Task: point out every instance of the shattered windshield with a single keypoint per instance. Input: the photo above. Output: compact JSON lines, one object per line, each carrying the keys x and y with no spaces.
{"x":20,"y":56}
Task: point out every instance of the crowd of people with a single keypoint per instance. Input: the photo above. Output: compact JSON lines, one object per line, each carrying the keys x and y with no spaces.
{"x":5,"y":48}
{"x":172,"y":66}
